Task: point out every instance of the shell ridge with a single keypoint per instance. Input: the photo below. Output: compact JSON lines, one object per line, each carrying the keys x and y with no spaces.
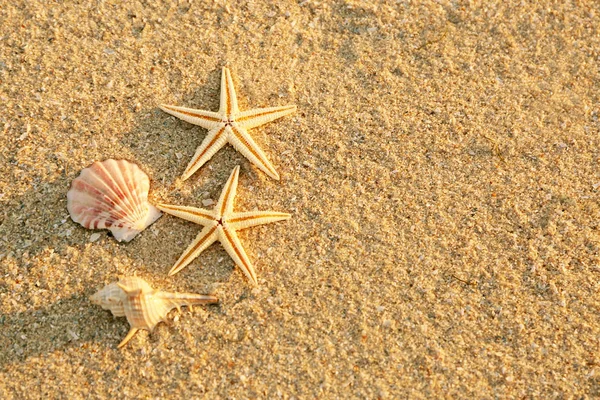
{"x":115,"y":177}
{"x":186,"y":299}
{"x":141,"y":190}
{"x":101,"y":194}
{"x":112,"y":194}
{"x":124,"y":196}
{"x":98,"y":207}
{"x":98,"y":177}
{"x":94,"y":195}
{"x":129,"y":184}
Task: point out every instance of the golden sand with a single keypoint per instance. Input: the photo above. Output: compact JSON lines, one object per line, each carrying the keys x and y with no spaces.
{"x":442,"y":171}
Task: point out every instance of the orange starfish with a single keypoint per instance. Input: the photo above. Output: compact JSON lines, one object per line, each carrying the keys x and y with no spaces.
{"x":221,"y":224}
{"x":229,"y":125}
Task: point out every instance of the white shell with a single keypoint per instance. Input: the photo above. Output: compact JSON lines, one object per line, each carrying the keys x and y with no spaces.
{"x":112,"y":194}
{"x":143,"y":306}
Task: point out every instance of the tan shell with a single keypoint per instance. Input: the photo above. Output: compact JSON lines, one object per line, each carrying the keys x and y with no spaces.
{"x":112,"y":194}
{"x":144,"y":307}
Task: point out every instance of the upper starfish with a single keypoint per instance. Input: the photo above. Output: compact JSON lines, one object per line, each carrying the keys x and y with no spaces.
{"x":220,"y":224}
{"x":229,"y":125}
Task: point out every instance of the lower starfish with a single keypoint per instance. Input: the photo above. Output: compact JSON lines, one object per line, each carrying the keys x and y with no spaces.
{"x":221,"y":224}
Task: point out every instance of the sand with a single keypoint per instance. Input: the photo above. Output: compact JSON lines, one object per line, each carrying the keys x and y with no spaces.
{"x":442,"y":170}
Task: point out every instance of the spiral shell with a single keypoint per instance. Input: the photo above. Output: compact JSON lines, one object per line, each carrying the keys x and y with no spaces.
{"x":143,"y":306}
{"x":112,"y":194}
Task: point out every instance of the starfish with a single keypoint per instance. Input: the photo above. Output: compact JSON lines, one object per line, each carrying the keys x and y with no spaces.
{"x":229,"y":125}
{"x":221,"y":224}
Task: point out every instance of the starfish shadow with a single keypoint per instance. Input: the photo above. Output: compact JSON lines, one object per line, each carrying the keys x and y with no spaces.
{"x":165,"y":144}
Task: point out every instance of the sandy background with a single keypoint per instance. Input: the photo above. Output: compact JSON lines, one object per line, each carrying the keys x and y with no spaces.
{"x":442,"y":171}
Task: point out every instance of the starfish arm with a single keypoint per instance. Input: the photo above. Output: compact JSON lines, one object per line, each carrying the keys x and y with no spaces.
{"x":205,"y":238}
{"x":228,"y":98}
{"x":232,"y":245}
{"x":243,"y":142}
{"x":205,"y":119}
{"x":225,"y":204}
{"x":130,"y":334}
{"x":260,"y":116}
{"x":212,"y":143}
{"x":196,"y":215}
{"x":243,"y":220}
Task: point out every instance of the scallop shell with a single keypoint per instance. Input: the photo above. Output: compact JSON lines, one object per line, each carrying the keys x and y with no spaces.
{"x":144,"y":307}
{"x":112,"y":194}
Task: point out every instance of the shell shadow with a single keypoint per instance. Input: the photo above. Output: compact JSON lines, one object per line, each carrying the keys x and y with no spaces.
{"x":72,"y":322}
{"x":69,"y":322}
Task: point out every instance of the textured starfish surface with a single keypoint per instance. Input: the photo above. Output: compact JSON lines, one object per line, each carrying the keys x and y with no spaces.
{"x":221,"y":224}
{"x":229,"y":125}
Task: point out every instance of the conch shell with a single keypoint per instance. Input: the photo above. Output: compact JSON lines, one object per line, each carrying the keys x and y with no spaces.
{"x":144,"y":307}
{"x":112,"y":194}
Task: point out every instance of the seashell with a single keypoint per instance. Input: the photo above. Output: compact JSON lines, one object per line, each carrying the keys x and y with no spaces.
{"x":144,"y":307}
{"x":112,"y":194}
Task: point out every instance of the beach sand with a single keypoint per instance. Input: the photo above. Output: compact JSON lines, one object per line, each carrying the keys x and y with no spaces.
{"x":442,"y":170}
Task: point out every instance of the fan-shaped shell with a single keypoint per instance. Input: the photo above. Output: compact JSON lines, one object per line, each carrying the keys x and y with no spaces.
{"x":112,"y":194}
{"x":143,"y":306}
